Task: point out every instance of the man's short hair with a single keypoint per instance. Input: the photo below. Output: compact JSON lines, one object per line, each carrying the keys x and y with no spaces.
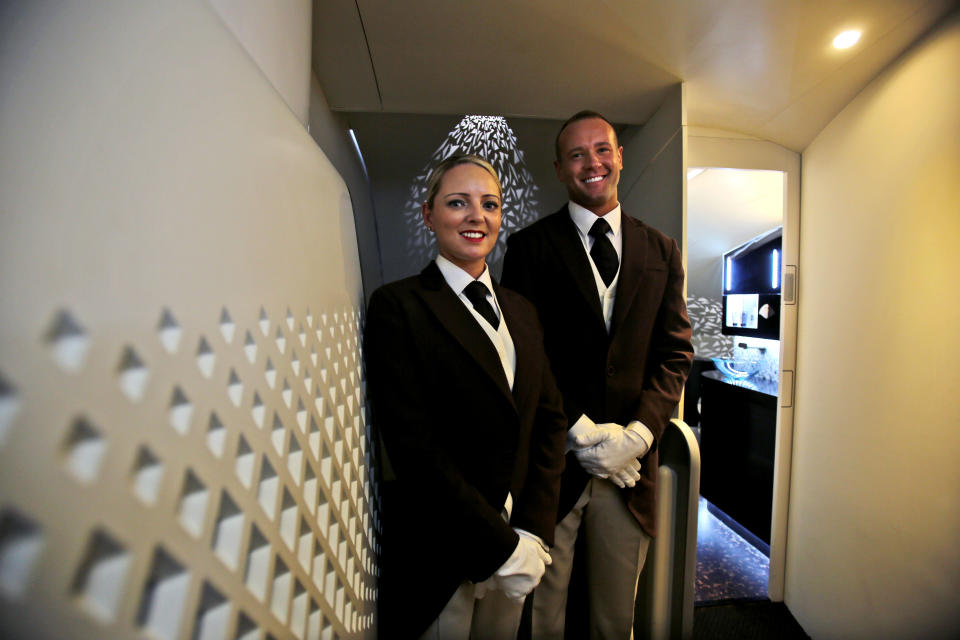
{"x":586,"y":114}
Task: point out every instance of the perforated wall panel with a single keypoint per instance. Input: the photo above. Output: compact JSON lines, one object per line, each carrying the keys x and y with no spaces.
{"x":183,"y":427}
{"x":202,"y":482}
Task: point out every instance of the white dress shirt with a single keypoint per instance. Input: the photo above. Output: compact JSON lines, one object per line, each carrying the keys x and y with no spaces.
{"x":584,"y":219}
{"x":458,"y":279}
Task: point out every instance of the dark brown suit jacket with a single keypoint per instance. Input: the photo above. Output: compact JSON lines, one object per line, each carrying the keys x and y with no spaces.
{"x":637,"y":371}
{"x":457,"y":439}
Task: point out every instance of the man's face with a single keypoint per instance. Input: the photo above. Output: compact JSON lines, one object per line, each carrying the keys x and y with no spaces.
{"x":589,"y":164}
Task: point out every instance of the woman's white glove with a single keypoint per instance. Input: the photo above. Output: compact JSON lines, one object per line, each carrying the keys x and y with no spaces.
{"x":522,"y":571}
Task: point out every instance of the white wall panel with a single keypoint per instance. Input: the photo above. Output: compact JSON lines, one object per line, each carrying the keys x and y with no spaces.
{"x":652,"y":182}
{"x":276,"y":34}
{"x":874,"y":518}
{"x":182,"y":424}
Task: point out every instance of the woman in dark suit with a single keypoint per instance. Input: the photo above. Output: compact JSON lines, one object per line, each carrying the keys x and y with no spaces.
{"x":471,"y":424}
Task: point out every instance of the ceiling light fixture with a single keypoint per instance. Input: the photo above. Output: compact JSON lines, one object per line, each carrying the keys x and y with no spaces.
{"x":846,"y":39}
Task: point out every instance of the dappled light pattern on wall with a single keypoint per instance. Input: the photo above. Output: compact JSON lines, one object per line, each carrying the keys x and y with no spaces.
{"x":708,"y":341}
{"x":489,"y":137}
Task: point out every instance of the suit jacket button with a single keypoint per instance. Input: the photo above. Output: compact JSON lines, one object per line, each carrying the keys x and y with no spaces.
{"x":610,"y":371}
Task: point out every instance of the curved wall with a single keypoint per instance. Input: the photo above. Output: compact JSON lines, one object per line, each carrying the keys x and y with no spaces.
{"x":874,"y":520}
{"x":182,"y":424}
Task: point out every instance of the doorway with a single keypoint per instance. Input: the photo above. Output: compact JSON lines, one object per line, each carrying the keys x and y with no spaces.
{"x":731,"y":400}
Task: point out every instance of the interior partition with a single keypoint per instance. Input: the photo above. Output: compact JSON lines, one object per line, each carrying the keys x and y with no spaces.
{"x":874,"y":520}
{"x":182,"y":414}
{"x":652,"y":182}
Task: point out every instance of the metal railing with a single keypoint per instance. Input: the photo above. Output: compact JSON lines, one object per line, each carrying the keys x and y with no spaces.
{"x":664,"y":606}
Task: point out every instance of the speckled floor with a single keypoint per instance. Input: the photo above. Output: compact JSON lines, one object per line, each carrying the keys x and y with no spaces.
{"x":728,"y":567}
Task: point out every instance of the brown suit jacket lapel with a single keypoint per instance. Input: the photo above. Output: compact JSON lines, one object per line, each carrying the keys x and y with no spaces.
{"x":565,"y":238}
{"x":632,"y":260}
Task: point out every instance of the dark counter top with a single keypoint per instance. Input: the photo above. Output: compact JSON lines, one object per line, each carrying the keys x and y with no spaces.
{"x":767,"y":387}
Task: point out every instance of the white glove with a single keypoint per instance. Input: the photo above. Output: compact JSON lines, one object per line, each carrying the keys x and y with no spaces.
{"x":584,"y":446}
{"x":480,"y":589}
{"x":522,"y":571}
{"x":628,"y":475}
{"x":582,"y":426}
{"x":609,"y":448}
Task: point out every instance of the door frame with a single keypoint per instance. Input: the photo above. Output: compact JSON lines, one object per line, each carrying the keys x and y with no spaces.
{"x":703,"y":147}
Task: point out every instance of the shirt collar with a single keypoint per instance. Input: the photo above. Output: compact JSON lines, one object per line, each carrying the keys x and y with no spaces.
{"x":584,"y":218}
{"x":458,"y":279}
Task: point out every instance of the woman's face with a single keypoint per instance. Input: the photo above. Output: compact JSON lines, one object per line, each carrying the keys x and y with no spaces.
{"x":465,"y":216}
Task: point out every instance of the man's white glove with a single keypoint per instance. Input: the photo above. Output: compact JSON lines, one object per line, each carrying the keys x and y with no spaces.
{"x":584,"y":446}
{"x":522,"y":571}
{"x":628,"y":475}
{"x":581,"y":427}
{"x":610,"y":451}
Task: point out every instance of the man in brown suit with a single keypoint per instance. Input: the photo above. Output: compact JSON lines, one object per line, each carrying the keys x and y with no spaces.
{"x":609,"y":293}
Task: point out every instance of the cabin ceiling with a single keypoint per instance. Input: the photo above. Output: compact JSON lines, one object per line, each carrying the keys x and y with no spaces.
{"x":757,"y":67}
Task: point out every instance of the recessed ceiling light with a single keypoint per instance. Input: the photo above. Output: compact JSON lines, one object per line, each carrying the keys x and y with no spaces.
{"x":846,"y":39}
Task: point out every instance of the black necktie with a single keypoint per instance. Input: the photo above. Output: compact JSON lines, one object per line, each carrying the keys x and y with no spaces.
{"x":602,"y":252}
{"x":476,"y":293}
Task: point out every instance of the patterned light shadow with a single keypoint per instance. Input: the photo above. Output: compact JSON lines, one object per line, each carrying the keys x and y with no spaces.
{"x":491,"y":138}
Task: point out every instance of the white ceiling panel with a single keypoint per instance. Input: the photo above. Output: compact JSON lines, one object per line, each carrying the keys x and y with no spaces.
{"x":759,"y":67}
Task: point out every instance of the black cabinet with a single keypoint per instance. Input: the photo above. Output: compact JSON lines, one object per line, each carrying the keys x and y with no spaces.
{"x":691,"y":390}
{"x":738,"y":421}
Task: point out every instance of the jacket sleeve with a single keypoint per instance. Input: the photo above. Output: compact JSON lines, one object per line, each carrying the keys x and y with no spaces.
{"x":521,"y":273}
{"x":403,"y":417}
{"x":536,"y":509}
{"x":670,"y":355}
